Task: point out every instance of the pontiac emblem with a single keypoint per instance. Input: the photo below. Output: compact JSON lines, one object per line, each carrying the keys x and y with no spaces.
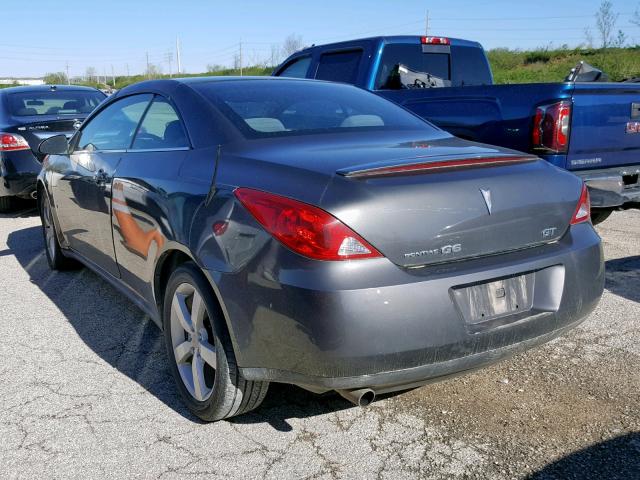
{"x":486,"y":194}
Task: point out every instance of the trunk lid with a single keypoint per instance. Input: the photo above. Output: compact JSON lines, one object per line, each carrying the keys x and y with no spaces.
{"x":445,"y":214}
{"x":605,"y":126}
{"x":35,"y":130}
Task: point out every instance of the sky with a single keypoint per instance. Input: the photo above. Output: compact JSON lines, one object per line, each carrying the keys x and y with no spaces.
{"x":41,"y":36}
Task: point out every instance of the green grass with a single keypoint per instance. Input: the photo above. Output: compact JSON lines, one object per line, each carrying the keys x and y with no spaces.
{"x":248,"y":71}
{"x":516,"y":66}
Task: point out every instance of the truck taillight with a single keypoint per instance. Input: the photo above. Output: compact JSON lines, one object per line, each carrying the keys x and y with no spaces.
{"x":435,"y":41}
{"x":551,"y":127}
{"x":10,"y":142}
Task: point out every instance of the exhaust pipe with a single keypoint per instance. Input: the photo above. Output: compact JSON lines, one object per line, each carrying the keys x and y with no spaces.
{"x":34,"y":195}
{"x":360,"y":398}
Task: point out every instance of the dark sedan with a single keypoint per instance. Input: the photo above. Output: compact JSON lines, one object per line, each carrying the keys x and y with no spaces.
{"x":311,"y":233}
{"x":28,"y":115}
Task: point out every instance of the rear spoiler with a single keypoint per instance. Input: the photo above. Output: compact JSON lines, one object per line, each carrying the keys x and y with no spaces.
{"x":434,"y":165}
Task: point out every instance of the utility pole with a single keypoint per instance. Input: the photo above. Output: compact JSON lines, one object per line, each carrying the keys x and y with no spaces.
{"x":426,"y":26}
{"x":127,"y":68}
{"x":67,"y":68}
{"x":148,"y":71}
{"x":113,"y":77}
{"x":169,"y":57}
{"x":178,"y":54}
{"x":240,"y":57}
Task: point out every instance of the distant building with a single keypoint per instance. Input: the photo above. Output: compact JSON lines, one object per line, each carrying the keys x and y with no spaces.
{"x":22,"y":81}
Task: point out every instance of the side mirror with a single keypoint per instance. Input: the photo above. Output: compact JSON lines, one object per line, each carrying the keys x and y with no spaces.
{"x":56,"y":145}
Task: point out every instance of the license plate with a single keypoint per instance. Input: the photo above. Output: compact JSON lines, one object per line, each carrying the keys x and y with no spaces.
{"x":487,"y":301}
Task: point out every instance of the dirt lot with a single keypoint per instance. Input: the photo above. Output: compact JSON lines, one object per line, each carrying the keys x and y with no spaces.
{"x":85,"y":393}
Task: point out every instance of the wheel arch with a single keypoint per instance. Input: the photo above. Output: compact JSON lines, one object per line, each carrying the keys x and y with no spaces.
{"x":168,"y":261}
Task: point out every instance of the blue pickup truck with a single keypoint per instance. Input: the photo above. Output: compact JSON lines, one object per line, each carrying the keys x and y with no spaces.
{"x":591,"y":128}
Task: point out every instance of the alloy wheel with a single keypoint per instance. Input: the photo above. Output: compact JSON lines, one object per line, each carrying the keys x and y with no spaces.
{"x":193,"y":341}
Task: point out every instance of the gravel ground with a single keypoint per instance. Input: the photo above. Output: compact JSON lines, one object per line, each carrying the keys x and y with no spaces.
{"x":85,"y":393}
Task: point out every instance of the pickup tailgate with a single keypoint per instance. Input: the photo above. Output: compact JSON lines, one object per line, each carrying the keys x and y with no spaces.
{"x":605,"y":126}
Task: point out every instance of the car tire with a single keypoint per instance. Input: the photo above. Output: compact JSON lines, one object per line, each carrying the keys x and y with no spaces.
{"x":599,"y":216}
{"x":55,"y":256}
{"x":6,"y":204}
{"x":199,"y":350}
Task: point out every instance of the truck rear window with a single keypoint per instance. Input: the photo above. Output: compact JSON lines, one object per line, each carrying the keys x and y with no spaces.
{"x":411,"y":56}
{"x":68,"y":102}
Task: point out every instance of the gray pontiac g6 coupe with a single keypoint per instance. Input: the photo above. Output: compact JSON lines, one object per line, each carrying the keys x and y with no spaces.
{"x":311,"y":233}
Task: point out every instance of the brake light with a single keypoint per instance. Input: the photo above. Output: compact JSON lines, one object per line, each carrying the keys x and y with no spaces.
{"x":10,"y":142}
{"x":435,"y":41}
{"x":551,"y":127}
{"x":583,"y":210}
{"x":305,"y":229}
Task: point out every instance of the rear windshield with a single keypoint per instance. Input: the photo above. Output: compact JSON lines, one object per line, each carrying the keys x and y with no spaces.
{"x":68,"y":102}
{"x":283,"y":108}
{"x":402,"y":64}
{"x":397,"y":55}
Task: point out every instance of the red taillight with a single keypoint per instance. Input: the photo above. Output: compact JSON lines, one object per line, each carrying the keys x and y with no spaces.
{"x":305,"y":229}
{"x":551,"y":127}
{"x":583,"y":210}
{"x":10,"y":142}
{"x":435,"y":41}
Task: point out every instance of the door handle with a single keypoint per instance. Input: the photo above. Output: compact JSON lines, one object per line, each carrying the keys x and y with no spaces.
{"x":101,"y":177}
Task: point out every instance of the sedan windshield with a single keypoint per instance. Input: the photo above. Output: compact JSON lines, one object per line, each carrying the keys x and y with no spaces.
{"x":266,"y":108}
{"x":67,"y":102}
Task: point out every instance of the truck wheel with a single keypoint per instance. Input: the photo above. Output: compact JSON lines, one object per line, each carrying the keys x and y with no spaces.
{"x":6,"y":204}
{"x":599,"y":216}
{"x":200,"y":353}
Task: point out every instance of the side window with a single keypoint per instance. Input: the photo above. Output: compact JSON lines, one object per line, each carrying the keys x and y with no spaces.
{"x":113,"y":128}
{"x":296,"y":69}
{"x":340,"y":66}
{"x":160,"y":128}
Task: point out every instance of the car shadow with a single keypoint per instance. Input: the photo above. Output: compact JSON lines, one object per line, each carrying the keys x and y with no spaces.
{"x":119,"y":333}
{"x":618,"y":458}
{"x":623,"y":277}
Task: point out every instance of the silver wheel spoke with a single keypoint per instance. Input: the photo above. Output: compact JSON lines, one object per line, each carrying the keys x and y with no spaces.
{"x":197,"y":311}
{"x":208,"y":353}
{"x":197,"y":368}
{"x":181,"y":311}
{"x":182,"y":352}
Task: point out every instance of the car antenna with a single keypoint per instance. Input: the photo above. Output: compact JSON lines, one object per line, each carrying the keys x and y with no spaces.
{"x":212,"y":188}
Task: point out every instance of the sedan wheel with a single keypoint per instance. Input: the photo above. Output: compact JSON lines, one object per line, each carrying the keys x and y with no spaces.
{"x":201,"y":356}
{"x":190,"y":332}
{"x":53,"y":251}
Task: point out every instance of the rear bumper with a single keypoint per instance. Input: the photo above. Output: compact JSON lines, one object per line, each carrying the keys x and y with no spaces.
{"x":341,"y":325}
{"x":18,"y":173}
{"x":612,"y":187}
